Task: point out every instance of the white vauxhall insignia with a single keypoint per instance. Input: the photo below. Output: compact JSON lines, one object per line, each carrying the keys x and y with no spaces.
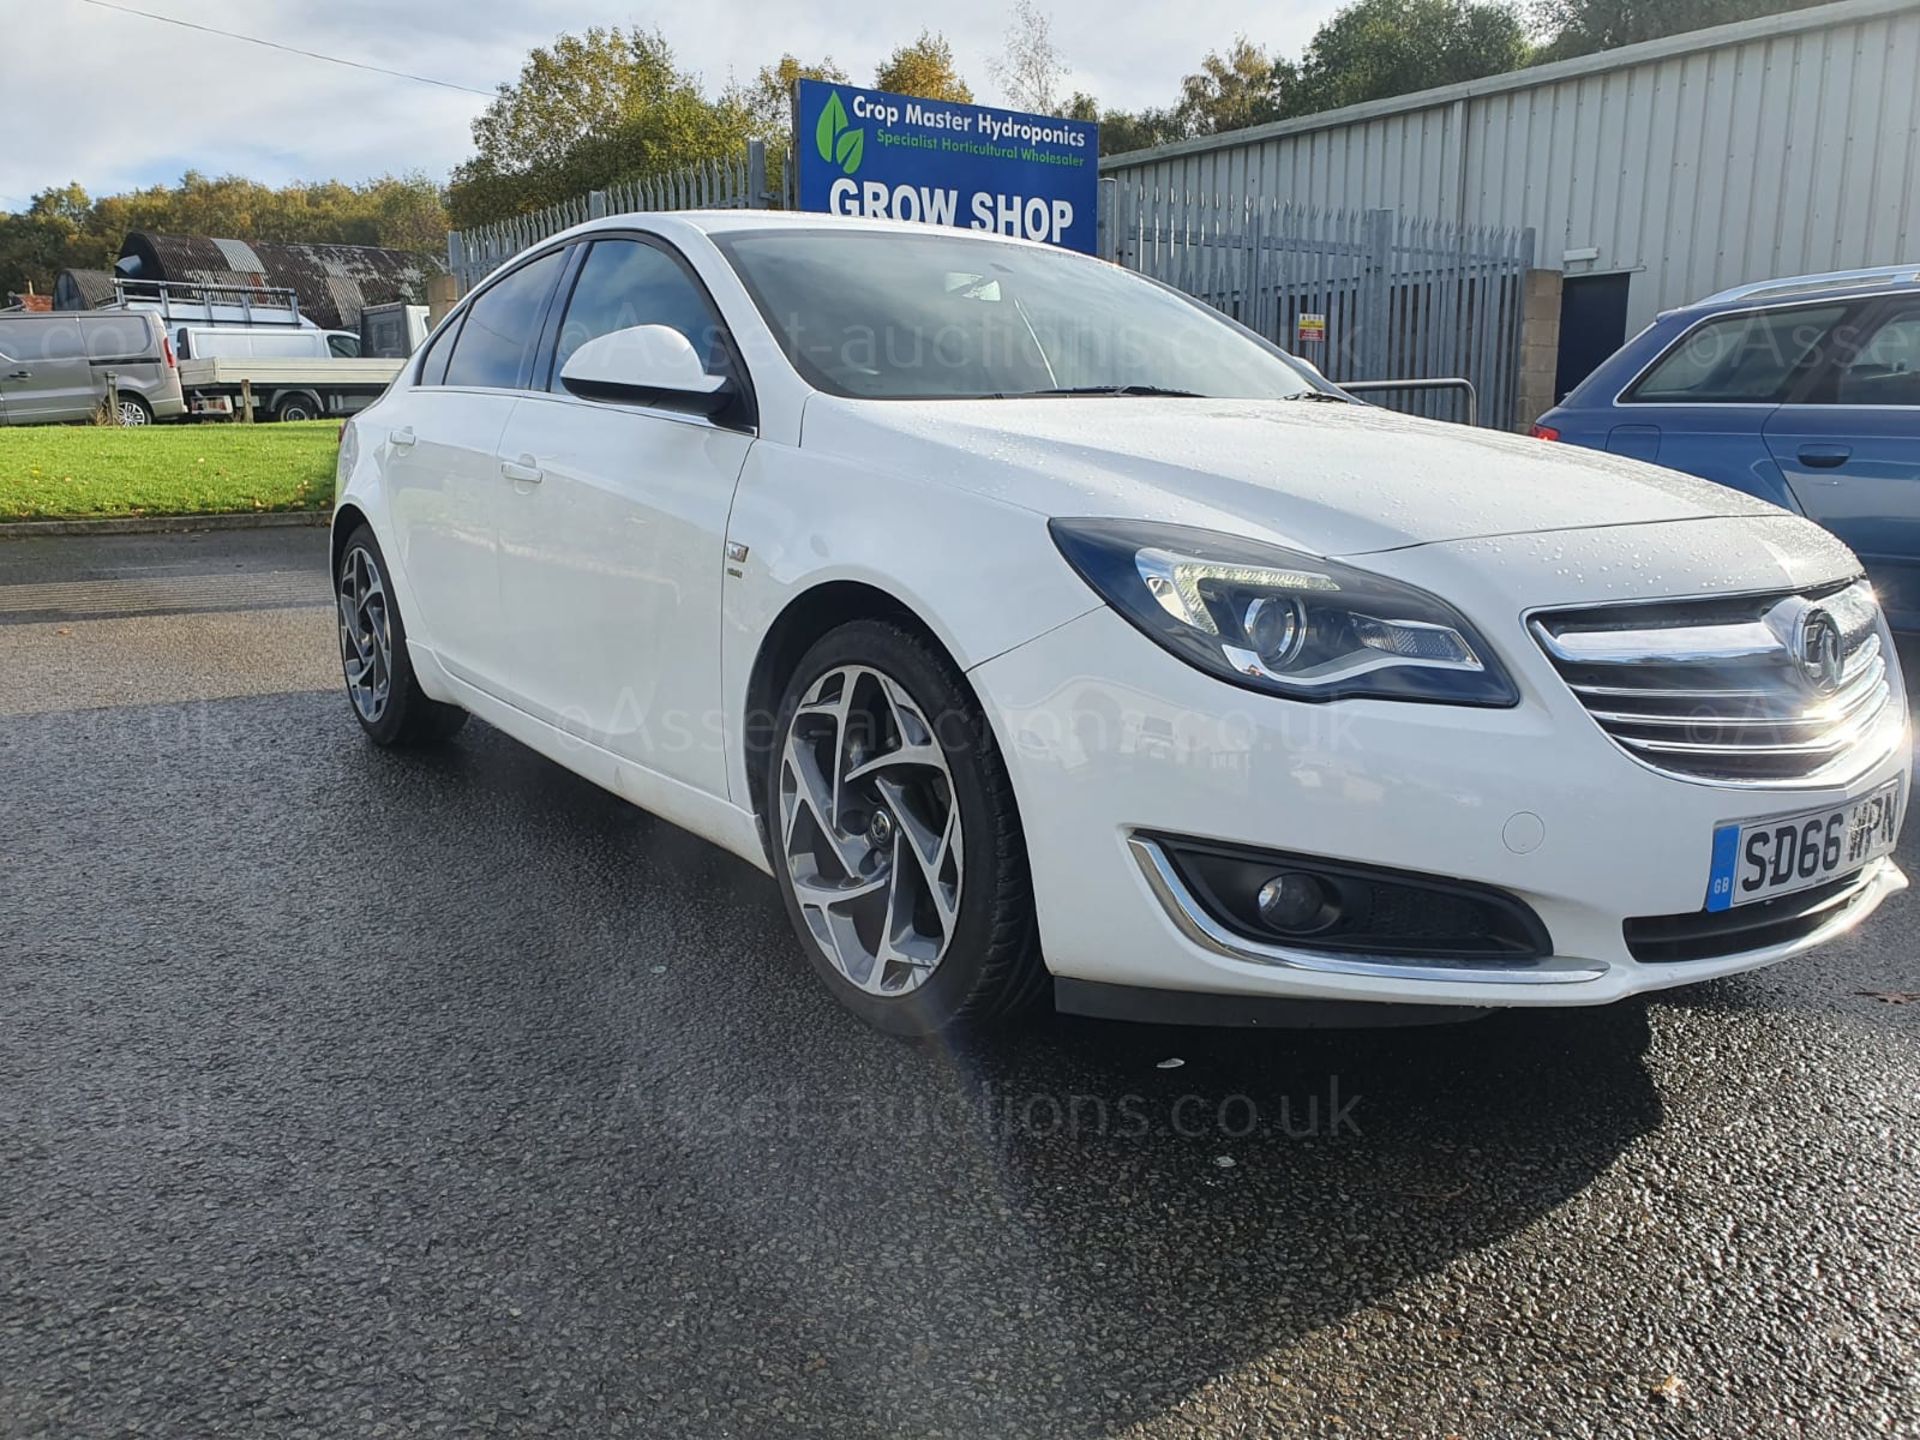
{"x":1049,"y":636}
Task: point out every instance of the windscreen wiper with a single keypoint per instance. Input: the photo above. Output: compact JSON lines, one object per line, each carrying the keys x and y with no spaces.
{"x":1318,"y":395}
{"x":1099,"y":390}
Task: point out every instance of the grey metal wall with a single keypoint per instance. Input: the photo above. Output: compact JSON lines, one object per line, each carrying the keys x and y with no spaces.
{"x":1774,"y":147}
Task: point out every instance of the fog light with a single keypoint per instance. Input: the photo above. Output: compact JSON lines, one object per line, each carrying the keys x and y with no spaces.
{"x":1296,"y":903}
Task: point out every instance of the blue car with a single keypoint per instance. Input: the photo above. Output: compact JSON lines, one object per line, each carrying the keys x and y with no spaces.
{"x":1805,"y":392}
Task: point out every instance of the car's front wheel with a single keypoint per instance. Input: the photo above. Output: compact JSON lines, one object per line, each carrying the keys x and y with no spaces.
{"x":387,"y":699}
{"x":895,"y":837}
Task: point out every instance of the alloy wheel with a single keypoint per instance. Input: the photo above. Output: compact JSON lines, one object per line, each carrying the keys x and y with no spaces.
{"x":870,"y":830}
{"x":132,"y":412}
{"x":366,"y":634}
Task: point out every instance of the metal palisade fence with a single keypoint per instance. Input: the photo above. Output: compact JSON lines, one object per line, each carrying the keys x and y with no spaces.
{"x":1364,"y":294}
{"x":736,"y":183}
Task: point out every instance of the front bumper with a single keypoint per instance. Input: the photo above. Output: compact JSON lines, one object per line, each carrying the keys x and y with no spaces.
{"x":1109,"y":739}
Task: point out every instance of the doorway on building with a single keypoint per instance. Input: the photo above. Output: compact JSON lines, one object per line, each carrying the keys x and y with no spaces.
{"x":1593,"y":324}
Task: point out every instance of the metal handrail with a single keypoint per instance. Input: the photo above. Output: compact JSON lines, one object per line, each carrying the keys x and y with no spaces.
{"x":1451,"y":382}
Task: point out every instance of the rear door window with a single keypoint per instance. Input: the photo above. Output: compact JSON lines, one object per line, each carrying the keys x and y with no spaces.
{"x":1747,"y":359}
{"x":433,"y":364}
{"x":1885,"y":370}
{"x":496,"y":340}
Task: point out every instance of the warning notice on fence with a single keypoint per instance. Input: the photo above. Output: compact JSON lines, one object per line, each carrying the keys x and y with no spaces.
{"x":1311,"y":329}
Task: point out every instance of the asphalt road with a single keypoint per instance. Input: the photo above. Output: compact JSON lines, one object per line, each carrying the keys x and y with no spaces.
{"x":344,"y":1093}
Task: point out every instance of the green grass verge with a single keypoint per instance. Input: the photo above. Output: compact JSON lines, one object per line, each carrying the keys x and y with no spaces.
{"x":67,"y":472}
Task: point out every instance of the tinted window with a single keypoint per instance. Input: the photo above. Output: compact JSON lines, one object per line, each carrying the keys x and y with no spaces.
{"x":433,"y":365}
{"x":940,"y":315}
{"x":501,"y":325}
{"x":1886,"y":368}
{"x":119,"y":337}
{"x":40,"y":339}
{"x":625,"y":283}
{"x":344,"y":347}
{"x":1739,"y":359}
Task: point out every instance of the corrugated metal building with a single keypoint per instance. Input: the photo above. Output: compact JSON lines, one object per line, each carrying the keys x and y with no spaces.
{"x":333,"y":282}
{"x":1652,"y":175}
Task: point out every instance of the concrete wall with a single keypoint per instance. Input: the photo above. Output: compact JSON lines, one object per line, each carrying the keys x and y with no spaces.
{"x":1778,"y":146}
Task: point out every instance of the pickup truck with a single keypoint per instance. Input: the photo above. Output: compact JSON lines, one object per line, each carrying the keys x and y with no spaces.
{"x":218,"y":388}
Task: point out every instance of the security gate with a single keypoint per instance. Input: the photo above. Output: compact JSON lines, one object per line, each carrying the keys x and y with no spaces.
{"x":1364,"y":294}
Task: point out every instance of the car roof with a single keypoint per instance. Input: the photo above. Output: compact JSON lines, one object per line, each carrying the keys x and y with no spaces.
{"x":721,"y":222}
{"x":1800,"y":289}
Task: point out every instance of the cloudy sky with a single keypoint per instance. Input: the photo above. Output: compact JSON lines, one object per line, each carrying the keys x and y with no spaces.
{"x":114,"y":100}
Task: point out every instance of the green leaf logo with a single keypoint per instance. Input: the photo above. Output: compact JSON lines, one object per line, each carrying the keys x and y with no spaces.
{"x":835,"y":142}
{"x":850,"y":148}
{"x":833,"y":119}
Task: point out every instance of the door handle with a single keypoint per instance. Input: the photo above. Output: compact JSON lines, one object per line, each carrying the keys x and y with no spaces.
{"x":402,"y":439}
{"x":1825,"y":457}
{"x":522,"y":471}
{"x":21,"y":375}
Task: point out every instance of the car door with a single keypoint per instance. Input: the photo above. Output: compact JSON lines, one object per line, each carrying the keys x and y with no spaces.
{"x":439,"y":443}
{"x":611,"y":540}
{"x":1849,"y":444}
{"x":46,"y":378}
{"x":1702,"y":407}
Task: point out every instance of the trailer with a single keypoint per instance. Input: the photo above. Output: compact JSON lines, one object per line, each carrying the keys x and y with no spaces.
{"x":219,"y":388}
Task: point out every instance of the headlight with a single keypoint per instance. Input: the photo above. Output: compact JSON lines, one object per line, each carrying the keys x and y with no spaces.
{"x":1289,"y":624}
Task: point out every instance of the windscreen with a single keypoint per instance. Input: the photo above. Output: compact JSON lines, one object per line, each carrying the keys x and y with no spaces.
{"x":885,"y":315}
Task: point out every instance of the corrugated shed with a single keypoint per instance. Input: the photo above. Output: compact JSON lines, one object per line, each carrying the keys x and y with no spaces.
{"x":1778,"y":146}
{"x":334,"y":282}
{"x":82,"y":289}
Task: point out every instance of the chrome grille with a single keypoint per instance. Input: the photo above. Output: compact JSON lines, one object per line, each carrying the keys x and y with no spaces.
{"x":1752,"y":688}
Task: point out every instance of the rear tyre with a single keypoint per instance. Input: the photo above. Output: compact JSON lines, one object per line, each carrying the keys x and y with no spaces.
{"x":297,"y":407}
{"x":895,"y":838}
{"x":387,"y":700}
{"x":133,"y":411}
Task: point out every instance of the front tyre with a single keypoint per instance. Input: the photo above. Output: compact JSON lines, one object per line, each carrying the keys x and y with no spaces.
{"x":895,"y":837}
{"x":387,"y":700}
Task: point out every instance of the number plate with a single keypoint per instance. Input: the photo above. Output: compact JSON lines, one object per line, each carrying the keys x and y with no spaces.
{"x":1759,"y":859}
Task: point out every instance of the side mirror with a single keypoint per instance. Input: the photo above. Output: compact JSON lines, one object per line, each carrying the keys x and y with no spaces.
{"x":646,"y":365}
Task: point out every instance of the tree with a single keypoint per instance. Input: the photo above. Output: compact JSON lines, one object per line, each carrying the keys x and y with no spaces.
{"x":604,"y":105}
{"x":1228,"y":92}
{"x":1580,"y":27}
{"x":1373,"y":49}
{"x":1369,"y":50}
{"x":769,"y":100}
{"x":64,"y":228}
{"x":924,"y":68}
{"x":1124,"y":130}
{"x":38,"y":241}
{"x":1030,"y":70}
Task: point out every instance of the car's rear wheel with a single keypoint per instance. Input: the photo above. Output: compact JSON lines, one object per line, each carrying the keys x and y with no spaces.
{"x":895,"y":837}
{"x":298,"y":407}
{"x":133,"y":411}
{"x":387,"y":699}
